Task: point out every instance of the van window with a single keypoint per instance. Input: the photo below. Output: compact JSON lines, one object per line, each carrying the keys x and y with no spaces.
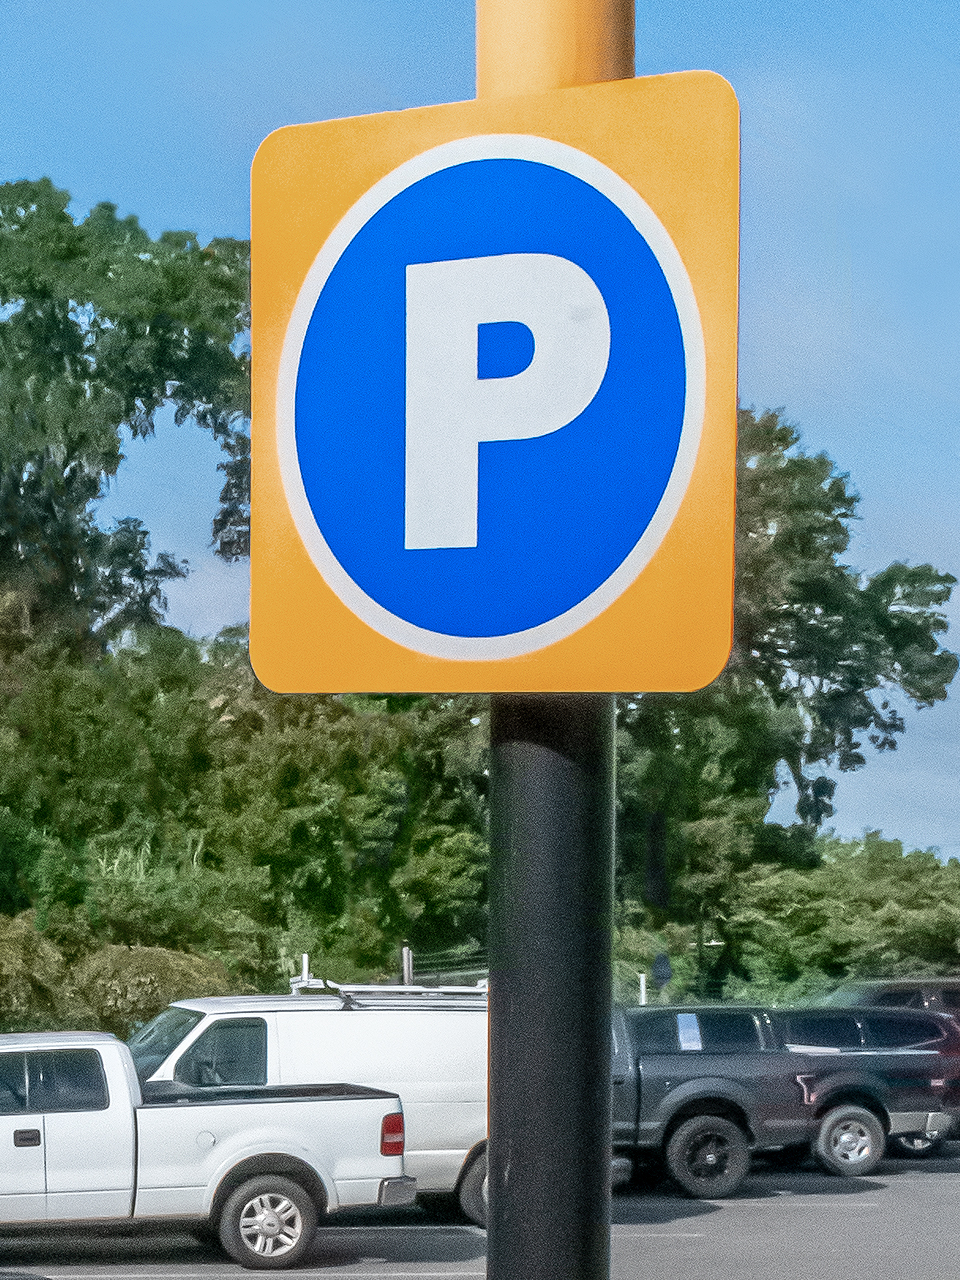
{"x":231,"y":1051}
{"x":154,"y":1043}
{"x":13,"y":1083}
{"x":66,"y":1080}
{"x":909,"y":1032}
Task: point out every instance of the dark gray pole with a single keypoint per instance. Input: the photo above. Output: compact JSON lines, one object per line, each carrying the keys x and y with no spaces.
{"x":551,"y":892}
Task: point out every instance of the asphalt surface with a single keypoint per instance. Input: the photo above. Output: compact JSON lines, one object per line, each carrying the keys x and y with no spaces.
{"x":901,"y":1222}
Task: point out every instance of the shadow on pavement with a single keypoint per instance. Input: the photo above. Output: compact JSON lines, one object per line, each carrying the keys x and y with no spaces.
{"x":60,"y":1249}
{"x":401,"y":1237}
{"x":653,"y":1198}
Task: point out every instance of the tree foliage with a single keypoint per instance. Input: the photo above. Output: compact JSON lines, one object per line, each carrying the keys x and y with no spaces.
{"x":821,"y":655}
{"x":157,"y":802}
{"x":160,"y":797}
{"x":868,"y":909}
{"x":100,"y":326}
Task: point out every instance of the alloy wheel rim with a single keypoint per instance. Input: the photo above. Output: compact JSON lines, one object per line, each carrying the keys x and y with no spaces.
{"x":851,"y":1142}
{"x":270,"y":1225}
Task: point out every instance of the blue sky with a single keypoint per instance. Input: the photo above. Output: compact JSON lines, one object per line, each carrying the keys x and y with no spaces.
{"x":850,"y":303}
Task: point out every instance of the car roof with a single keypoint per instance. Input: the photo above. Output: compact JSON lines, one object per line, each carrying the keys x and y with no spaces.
{"x":258,"y":1004}
{"x":895,"y":984}
{"x":644,"y":1009}
{"x":54,"y":1039}
{"x":859,"y":1010}
{"x":365,"y":1000}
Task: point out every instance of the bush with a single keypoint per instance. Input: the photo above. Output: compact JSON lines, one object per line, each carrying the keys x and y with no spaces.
{"x":124,"y":987}
{"x":31,"y":977}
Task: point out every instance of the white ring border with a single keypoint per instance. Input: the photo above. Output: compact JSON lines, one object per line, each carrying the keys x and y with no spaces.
{"x":569,"y":159}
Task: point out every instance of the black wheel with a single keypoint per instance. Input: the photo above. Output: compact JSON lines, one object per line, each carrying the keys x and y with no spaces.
{"x":914,"y":1146}
{"x":708,"y":1156}
{"x":473,"y":1191}
{"x":850,"y":1142}
{"x":268,"y":1223}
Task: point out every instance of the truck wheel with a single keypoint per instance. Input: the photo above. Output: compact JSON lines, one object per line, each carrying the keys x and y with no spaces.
{"x":850,"y":1141}
{"x":268,"y":1222}
{"x":473,"y":1191}
{"x":914,"y":1146}
{"x":708,"y":1156}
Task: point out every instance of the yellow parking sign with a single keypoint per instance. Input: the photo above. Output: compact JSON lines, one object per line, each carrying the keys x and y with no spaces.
{"x":494,"y":351}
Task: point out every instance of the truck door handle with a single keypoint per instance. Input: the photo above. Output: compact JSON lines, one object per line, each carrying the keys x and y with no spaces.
{"x":26,"y":1137}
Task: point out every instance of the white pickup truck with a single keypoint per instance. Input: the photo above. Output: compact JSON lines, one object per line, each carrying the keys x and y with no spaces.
{"x":258,"y":1165}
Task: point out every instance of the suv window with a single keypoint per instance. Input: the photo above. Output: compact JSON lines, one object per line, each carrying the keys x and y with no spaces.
{"x":900,"y":998}
{"x":232,"y":1051}
{"x":66,"y":1080}
{"x":906,"y":1032}
{"x":822,"y":1030}
{"x":950,"y":997}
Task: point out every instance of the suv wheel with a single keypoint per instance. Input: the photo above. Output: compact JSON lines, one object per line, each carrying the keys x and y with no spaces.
{"x":708,"y":1156}
{"x":850,"y":1142}
{"x":913,"y":1146}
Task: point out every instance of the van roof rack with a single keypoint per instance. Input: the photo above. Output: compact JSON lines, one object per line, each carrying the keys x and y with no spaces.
{"x":363,"y":995}
{"x":357,"y":995}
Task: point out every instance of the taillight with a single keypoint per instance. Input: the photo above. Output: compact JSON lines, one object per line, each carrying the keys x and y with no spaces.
{"x":391,"y":1135}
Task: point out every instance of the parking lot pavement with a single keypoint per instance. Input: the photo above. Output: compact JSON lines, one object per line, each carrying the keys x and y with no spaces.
{"x":900,"y":1222}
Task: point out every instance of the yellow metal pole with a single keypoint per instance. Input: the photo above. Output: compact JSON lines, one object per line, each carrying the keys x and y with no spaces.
{"x":531,"y":46}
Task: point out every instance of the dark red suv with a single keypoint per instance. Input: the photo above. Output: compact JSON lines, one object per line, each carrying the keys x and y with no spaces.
{"x":940,"y":996}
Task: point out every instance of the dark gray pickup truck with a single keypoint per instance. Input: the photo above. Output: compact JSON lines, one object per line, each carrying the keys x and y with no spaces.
{"x":702,"y":1087}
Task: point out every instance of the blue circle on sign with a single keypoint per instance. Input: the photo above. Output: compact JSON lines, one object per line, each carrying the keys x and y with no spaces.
{"x":557,"y":514}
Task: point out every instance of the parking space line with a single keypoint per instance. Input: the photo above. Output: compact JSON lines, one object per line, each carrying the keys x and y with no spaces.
{"x":812,"y":1202}
{"x":214,"y":1270}
{"x":659,"y":1235}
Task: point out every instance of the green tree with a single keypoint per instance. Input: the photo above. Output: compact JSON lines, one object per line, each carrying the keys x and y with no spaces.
{"x":820,"y":655}
{"x":368,"y":812}
{"x":100,"y":326}
{"x":868,"y":909}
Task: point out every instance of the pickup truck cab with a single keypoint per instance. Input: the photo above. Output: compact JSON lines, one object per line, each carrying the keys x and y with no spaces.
{"x":258,"y":1164}
{"x":702,"y":1087}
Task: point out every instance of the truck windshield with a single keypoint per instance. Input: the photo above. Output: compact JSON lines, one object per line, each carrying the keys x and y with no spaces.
{"x":154,"y":1043}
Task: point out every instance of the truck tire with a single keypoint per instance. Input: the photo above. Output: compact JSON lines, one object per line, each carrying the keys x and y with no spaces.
{"x":473,"y":1191}
{"x":708,"y":1156}
{"x":268,"y":1223}
{"x":850,"y":1141}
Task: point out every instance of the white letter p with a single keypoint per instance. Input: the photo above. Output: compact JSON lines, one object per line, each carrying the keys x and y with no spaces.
{"x":450,"y":409}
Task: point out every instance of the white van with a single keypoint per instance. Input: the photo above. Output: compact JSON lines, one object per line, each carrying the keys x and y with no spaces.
{"x":429,"y":1045}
